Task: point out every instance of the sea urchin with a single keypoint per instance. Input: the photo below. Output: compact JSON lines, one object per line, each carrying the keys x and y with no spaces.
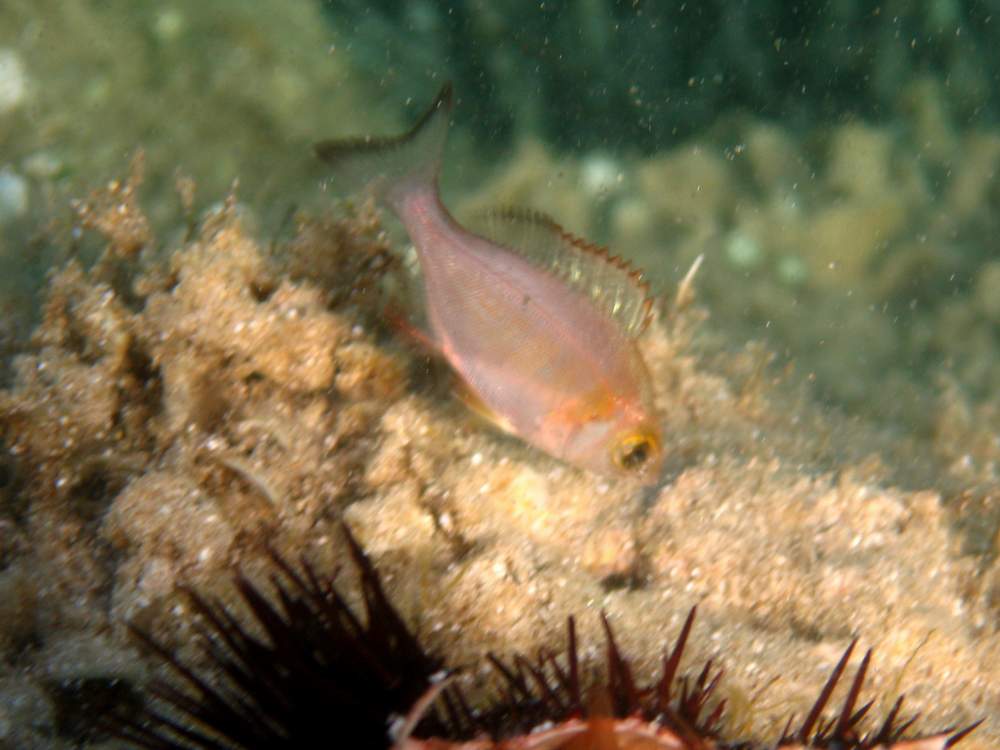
{"x":322,"y":675}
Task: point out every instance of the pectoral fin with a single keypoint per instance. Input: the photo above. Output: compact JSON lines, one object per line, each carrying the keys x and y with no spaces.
{"x":415,"y":335}
{"x":475,"y":404}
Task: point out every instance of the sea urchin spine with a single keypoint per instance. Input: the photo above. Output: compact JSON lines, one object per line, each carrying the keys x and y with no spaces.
{"x":321,"y":671}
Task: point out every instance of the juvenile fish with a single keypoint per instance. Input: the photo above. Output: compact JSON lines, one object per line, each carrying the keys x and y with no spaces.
{"x":539,"y":325}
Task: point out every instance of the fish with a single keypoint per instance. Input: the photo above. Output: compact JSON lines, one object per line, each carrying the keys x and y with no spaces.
{"x":539,"y":325}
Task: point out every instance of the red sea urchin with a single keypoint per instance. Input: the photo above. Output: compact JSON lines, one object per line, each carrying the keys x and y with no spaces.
{"x":320,"y":669}
{"x":544,"y":709}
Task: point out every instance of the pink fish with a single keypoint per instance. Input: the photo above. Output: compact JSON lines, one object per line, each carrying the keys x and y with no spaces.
{"x":539,"y":325}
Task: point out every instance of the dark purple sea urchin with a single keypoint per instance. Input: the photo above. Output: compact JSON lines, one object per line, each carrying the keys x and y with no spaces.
{"x":318,"y":666}
{"x":322,"y":676}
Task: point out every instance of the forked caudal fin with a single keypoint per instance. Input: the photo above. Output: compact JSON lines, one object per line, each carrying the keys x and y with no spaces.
{"x":391,"y":167}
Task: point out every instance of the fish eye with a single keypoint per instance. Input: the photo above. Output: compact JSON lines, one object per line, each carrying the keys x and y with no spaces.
{"x":634,"y":450}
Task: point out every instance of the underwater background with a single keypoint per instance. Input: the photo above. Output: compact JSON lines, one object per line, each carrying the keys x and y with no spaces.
{"x":193,"y":356}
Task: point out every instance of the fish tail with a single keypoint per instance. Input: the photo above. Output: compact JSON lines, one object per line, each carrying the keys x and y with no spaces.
{"x":392,"y":167}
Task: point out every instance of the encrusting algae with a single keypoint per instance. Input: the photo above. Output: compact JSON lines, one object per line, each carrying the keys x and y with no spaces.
{"x":178,"y":409}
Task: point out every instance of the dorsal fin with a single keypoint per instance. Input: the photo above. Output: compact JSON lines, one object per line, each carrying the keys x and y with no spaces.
{"x":610,"y":281}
